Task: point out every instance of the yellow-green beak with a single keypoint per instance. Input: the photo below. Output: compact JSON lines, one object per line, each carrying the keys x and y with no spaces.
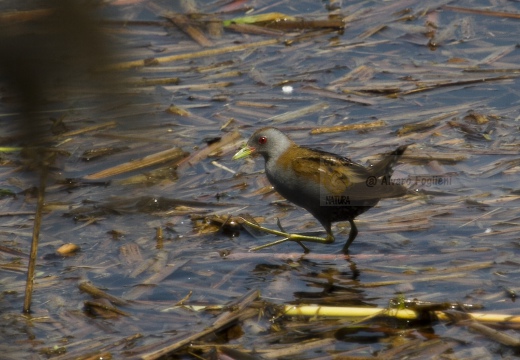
{"x":244,"y":152}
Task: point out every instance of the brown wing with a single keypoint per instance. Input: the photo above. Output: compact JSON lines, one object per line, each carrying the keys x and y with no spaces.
{"x":341,"y":176}
{"x":335,"y":173}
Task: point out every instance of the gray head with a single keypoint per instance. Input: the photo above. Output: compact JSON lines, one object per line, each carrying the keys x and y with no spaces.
{"x":269,"y":142}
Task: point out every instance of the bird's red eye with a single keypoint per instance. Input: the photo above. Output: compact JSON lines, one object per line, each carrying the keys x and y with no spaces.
{"x":262,"y":140}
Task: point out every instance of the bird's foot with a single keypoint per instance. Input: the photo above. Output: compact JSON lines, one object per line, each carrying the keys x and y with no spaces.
{"x":298,"y":238}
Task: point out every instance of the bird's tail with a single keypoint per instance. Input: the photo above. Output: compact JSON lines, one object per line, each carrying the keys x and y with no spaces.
{"x":386,"y":166}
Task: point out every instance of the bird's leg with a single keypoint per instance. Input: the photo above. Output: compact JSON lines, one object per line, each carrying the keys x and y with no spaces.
{"x":288,"y":237}
{"x":306,"y":250}
{"x":280,"y":225}
{"x":352,"y":235}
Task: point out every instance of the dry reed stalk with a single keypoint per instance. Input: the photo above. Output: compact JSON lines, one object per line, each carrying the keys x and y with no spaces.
{"x":188,"y":56}
{"x":424,"y":125}
{"x":349,"y":127}
{"x":154,"y":159}
{"x":404,"y":314}
{"x":254,"y":29}
{"x":205,"y":152}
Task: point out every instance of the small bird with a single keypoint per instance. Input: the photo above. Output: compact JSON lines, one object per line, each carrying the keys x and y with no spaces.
{"x":329,"y":186}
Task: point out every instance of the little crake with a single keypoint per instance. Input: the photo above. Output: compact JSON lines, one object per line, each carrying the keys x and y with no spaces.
{"x":329,"y":186}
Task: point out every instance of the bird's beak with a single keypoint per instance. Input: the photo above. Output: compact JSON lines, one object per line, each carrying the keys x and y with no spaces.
{"x":244,"y":152}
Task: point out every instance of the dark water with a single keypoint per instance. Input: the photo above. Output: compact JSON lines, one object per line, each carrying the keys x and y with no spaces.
{"x":445,"y":229}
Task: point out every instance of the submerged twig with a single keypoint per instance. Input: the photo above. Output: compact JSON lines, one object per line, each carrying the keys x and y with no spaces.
{"x":36,"y":235}
{"x":295,"y":349}
{"x":240,"y":311}
{"x":290,"y":115}
{"x":480,"y":217}
{"x":183,"y":23}
{"x":482,"y":12}
{"x":89,"y":288}
{"x":107,"y":309}
{"x":86,"y":129}
{"x":496,"y":335}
